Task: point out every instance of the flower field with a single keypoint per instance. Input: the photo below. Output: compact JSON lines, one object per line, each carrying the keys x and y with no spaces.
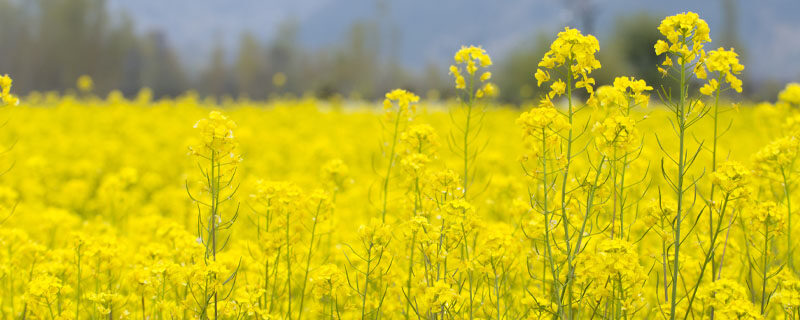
{"x":621,"y":201}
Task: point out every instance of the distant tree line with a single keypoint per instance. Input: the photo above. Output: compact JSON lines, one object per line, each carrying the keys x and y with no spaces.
{"x":47,"y":44}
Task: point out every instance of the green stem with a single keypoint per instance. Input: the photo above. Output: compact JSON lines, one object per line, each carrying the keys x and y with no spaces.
{"x":466,"y":133}
{"x":709,"y":257}
{"x":764,"y":269}
{"x":389,"y":168}
{"x":787,"y":195}
{"x":681,"y":113}
{"x":548,"y":248}
{"x":496,"y":289}
{"x":78,"y":286}
{"x":465,"y":251}
{"x":366,"y":283}
{"x":410,"y":272}
{"x":713,"y":169}
{"x":308,"y":263}
{"x":330,"y":296}
{"x":288,"y":270}
{"x":565,"y":221}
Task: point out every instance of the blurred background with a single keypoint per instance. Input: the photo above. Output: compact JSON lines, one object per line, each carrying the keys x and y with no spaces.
{"x":359,"y":49}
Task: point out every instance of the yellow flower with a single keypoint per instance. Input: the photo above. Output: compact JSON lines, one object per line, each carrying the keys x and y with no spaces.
{"x":616,"y":133}
{"x":789,"y":95}
{"x":445,"y":184}
{"x":765,"y":214}
{"x":576,"y":53}
{"x":557,"y":88}
{"x":726,"y":64}
{"x":440,"y":295}
{"x":45,"y":287}
{"x":461,"y":213}
{"x":327,"y":281}
{"x":375,"y":234}
{"x":405,"y":101}
{"x":5,"y":92}
{"x":498,"y":246}
{"x":282,"y":196}
{"x":85,"y":83}
{"x":686,"y":33}
{"x":540,"y":130}
{"x":661,"y":46}
{"x":613,"y":264}
{"x":626,"y":93}
{"x":472,"y":53}
{"x":728,"y":299}
{"x":533,"y":121}
{"x":777,"y":156}
{"x":789,"y":293}
{"x":460,"y":82}
{"x":335,"y":172}
{"x":472,"y":59}
{"x":541,"y":76}
{"x":710,"y":87}
{"x":217,"y":139}
{"x":488,"y":90}
{"x":415,"y":163}
{"x":731,"y":177}
{"x":419,"y":138}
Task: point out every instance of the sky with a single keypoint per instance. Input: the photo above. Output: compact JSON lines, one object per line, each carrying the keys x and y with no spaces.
{"x":421,"y":31}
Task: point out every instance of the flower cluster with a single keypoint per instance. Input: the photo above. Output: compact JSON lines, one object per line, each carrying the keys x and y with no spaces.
{"x":439,"y":296}
{"x":778,"y":156}
{"x":471,"y":59}
{"x":766,"y":215}
{"x":328,"y":281}
{"x":616,"y":134}
{"x":725,"y":64}
{"x":335,"y":172}
{"x":790,"y":95}
{"x":728,"y":300}
{"x":680,"y":28}
{"x":686,"y":34}
{"x":789,"y":293}
{"x":5,"y":92}
{"x":375,"y":234}
{"x":404,"y":100}
{"x":625,"y":94}
{"x":419,"y":138}
{"x":613,"y":271}
{"x":217,"y":138}
{"x":540,"y":127}
{"x":732,"y":178}
{"x":537,"y":119}
{"x":576,"y":53}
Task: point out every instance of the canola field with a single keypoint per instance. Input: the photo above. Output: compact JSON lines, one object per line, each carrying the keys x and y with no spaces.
{"x":622,"y":201}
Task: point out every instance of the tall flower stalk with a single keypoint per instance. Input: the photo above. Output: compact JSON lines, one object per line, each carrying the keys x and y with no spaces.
{"x":218,"y":157}
{"x":686,"y":34}
{"x":399,"y":106}
{"x":567,"y":66}
{"x":723,"y":66}
{"x":473,"y":86}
